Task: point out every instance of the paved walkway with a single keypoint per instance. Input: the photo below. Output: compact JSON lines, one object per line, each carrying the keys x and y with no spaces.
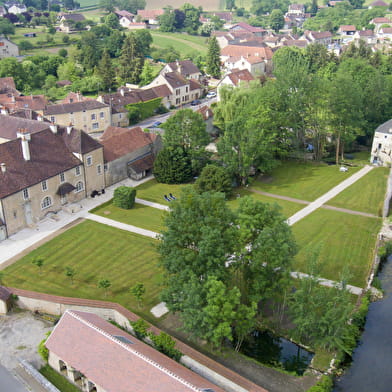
{"x":328,"y":196}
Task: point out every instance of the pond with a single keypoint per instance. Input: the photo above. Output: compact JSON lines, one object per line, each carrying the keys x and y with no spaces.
{"x":273,"y":350}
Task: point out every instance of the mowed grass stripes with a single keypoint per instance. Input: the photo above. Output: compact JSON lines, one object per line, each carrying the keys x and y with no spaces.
{"x":343,"y":240}
{"x":95,"y":251}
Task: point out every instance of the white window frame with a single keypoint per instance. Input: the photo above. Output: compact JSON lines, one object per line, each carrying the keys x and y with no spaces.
{"x":79,"y":187}
{"x":77,"y":171}
{"x":45,"y":204}
{"x":62,"y":177}
{"x":89,"y":160}
{"x":44,"y":185}
{"x":25,"y":194}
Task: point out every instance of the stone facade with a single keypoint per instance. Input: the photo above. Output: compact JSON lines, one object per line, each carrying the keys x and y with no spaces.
{"x":381,"y":153}
{"x":8,"y":48}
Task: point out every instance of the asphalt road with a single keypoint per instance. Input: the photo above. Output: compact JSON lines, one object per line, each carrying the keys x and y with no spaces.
{"x":8,"y":383}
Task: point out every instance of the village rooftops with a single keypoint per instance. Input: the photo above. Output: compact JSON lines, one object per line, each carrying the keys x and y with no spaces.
{"x":150,"y":14}
{"x":7,"y":85}
{"x":238,"y":76}
{"x":10,"y":125}
{"x":175,"y":79}
{"x":74,"y":17}
{"x":116,"y":361}
{"x":185,"y":67}
{"x":347,"y":28}
{"x":380,"y":20}
{"x":63,"y":108}
{"x":385,"y":128}
{"x":247,"y":27}
{"x":124,"y":13}
{"x":247,"y":51}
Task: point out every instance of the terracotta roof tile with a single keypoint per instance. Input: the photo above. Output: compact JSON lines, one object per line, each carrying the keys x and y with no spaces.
{"x":89,"y":344}
{"x":63,"y":108}
{"x":246,"y":51}
{"x":186,"y":66}
{"x":150,"y":14}
{"x":10,"y":125}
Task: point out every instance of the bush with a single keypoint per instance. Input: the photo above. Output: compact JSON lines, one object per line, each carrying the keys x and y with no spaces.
{"x":63,"y":52}
{"x":124,"y":197}
{"x":25,"y":45}
{"x":140,"y":111}
{"x":165,"y":344}
{"x":140,"y":327}
{"x":324,"y":385}
{"x":42,"y":350}
{"x":172,"y":166}
{"x":359,"y":317}
{"x":65,"y":39}
{"x":214,"y":179}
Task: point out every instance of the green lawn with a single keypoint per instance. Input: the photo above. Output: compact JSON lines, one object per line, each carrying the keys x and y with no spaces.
{"x":96,"y":252}
{"x":343,"y":240}
{"x":305,"y":181}
{"x":58,"y":380}
{"x":140,"y":215}
{"x":366,"y":195}
{"x":154,"y":191}
{"x":184,"y":43}
{"x":288,"y":208}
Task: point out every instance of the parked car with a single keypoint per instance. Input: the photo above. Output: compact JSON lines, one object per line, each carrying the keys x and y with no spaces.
{"x":196,"y":102}
{"x":211,"y":94}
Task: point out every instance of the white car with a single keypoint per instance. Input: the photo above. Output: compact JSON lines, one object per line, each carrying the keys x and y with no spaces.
{"x":211,"y":94}
{"x":343,"y":169}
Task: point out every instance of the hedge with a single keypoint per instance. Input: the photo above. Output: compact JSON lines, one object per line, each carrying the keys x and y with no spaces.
{"x":141,"y":110}
{"x":124,"y":197}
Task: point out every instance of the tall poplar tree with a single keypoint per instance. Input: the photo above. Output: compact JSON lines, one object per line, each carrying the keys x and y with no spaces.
{"x":106,"y":71}
{"x":213,"y":58}
{"x":131,"y":60}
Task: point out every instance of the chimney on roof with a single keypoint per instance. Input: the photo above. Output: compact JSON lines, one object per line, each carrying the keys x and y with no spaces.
{"x":53,"y":128}
{"x":69,"y":129}
{"x":25,"y":137}
{"x":3,"y":167}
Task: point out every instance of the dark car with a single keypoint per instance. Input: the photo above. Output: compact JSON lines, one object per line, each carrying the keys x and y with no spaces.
{"x":196,"y":102}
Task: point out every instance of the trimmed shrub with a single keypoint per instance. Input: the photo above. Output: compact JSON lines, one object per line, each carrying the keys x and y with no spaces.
{"x":124,"y":197}
{"x":166,"y":345}
{"x":140,"y":327}
{"x":141,"y":110}
{"x":172,"y":166}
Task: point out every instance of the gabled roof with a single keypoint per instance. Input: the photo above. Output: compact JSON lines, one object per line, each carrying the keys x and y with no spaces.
{"x":296,"y":7}
{"x":78,"y":141}
{"x":49,"y":156}
{"x":365,"y":33}
{"x":63,"y":108}
{"x":385,"y":127}
{"x":117,"y":361}
{"x":118,"y":142}
{"x":380,"y":20}
{"x":319,"y":34}
{"x":239,"y":76}
{"x":226,"y":16}
{"x":247,"y":27}
{"x":247,"y":51}
{"x":174,"y":79}
{"x":16,"y":101}
{"x":300,"y":43}
{"x":150,"y":14}
{"x":347,"y":28}
{"x":386,"y":30}
{"x":10,"y":125}
{"x":194,"y":84}
{"x":7,"y":85}
{"x":186,"y":67}
{"x":206,"y":112}
{"x":74,"y":17}
{"x":379,"y":3}
{"x":124,"y":13}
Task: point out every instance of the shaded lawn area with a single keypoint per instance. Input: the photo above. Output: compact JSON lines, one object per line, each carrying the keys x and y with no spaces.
{"x":154,"y":191}
{"x":288,"y":208}
{"x":342,"y":240}
{"x":305,"y":181}
{"x":96,"y":252}
{"x":140,"y":215}
{"x":367,"y":194}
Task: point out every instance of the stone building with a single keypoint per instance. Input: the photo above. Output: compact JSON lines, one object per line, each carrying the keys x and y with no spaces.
{"x":382,"y":145}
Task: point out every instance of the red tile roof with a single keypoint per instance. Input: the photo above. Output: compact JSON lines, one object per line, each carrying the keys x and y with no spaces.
{"x":13,"y":101}
{"x":7,"y":84}
{"x":239,"y":76}
{"x":10,"y":125}
{"x":63,"y":108}
{"x":118,"y":142}
{"x":150,"y":14}
{"x":247,"y":27}
{"x":186,"y":67}
{"x":380,"y":20}
{"x":247,"y":51}
{"x":347,"y":28}
{"x":90,"y":345}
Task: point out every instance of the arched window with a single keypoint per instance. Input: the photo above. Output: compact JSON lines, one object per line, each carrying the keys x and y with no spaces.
{"x":79,"y":186}
{"x":46,"y":202}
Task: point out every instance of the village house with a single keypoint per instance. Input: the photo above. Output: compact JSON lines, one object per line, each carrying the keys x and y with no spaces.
{"x":16,"y":101}
{"x":379,"y":22}
{"x":321,"y":37}
{"x":242,"y":26}
{"x":68,"y":22}
{"x":184,"y":67}
{"x":128,"y":153}
{"x":378,"y":3}
{"x":235,"y":79}
{"x":182,"y":90}
{"x":8,"y":48}
{"x":126,"y":96}
{"x":15,"y":7}
{"x":347,"y":30}
{"x":151,"y":17}
{"x":97,"y":356}
{"x":89,"y":115}
{"x":365,"y":35}
{"x":382,"y":145}
{"x":296,"y":9}
{"x":45,"y":171}
{"x":385,"y":33}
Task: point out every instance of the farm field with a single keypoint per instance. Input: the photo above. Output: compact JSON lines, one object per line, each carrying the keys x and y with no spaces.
{"x":184,"y":43}
{"x":304,"y":181}
{"x":342,"y":240}
{"x":96,"y":252}
{"x":214,"y":5}
{"x":366,"y":195}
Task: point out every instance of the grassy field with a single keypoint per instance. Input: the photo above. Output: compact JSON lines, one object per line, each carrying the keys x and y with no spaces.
{"x":366,"y":195}
{"x":140,"y":215}
{"x":342,"y":240}
{"x":305,"y":181}
{"x":184,"y":43}
{"x":58,"y":380}
{"x":213,"y":5}
{"x":96,"y":252}
{"x":288,"y":208}
{"x":154,"y":191}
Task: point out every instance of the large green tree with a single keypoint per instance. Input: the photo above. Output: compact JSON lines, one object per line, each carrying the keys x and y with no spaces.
{"x":106,"y":71}
{"x":213,"y":58}
{"x":131,"y":60}
{"x":276,"y":20}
